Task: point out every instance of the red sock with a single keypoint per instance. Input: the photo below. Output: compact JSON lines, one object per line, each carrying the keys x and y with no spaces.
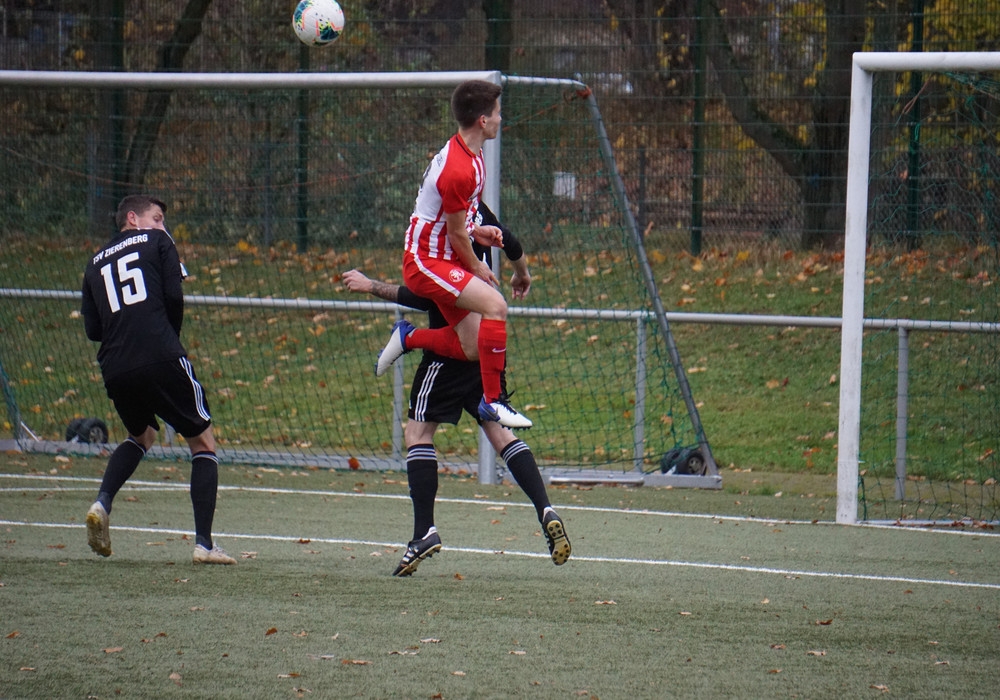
{"x":492,"y":355}
{"x":443,"y":341}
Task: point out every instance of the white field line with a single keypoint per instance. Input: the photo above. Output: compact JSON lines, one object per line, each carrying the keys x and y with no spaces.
{"x":145,"y":485}
{"x":788,"y":573}
{"x":139,"y":485}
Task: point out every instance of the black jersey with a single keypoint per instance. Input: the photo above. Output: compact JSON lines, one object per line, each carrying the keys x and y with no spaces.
{"x":132,"y":301}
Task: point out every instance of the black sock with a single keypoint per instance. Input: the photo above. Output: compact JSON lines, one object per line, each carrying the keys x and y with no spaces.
{"x":121,"y":466}
{"x":522,"y":466}
{"x":422,"y":476}
{"x":204,"y":486}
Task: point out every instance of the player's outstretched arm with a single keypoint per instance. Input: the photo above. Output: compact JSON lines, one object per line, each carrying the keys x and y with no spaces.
{"x":356,"y":281}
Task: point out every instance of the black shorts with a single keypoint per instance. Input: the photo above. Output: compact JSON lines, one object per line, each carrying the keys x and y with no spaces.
{"x":442,"y":388}
{"x":169,"y":390}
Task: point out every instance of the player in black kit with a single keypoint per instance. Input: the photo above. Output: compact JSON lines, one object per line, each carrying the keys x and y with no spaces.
{"x":442,"y":388}
{"x":133,"y":305}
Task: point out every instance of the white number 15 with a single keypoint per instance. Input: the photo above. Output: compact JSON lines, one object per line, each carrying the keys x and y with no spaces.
{"x":132,"y":285}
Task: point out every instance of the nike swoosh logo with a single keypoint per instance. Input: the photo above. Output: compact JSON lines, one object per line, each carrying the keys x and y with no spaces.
{"x":499,"y":350}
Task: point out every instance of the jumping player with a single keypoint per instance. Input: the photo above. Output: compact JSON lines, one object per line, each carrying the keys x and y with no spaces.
{"x":439,"y":262}
{"x":442,"y":388}
{"x":133,"y":306}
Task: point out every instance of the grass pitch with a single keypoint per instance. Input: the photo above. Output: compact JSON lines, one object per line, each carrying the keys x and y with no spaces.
{"x":766,"y":598}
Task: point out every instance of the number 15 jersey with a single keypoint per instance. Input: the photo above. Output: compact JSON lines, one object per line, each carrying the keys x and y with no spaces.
{"x":132,"y":301}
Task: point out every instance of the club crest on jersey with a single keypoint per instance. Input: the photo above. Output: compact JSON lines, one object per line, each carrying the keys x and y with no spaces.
{"x":456,"y":275}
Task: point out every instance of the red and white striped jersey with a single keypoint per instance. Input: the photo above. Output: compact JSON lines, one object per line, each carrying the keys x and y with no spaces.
{"x":452,"y":182}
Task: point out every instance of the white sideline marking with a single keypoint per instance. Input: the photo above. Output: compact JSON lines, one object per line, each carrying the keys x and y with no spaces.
{"x":536,"y":555}
{"x":139,"y":485}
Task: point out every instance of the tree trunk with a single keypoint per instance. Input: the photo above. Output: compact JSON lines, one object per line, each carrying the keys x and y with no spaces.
{"x":818,"y":166}
{"x":170,"y":58}
{"x":105,"y":142}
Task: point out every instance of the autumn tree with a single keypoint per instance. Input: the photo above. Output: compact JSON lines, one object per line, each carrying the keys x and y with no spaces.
{"x":815,"y":157}
{"x":123,"y":168}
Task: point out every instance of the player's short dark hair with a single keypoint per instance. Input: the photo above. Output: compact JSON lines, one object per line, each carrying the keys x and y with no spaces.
{"x":473,"y":99}
{"x":139,"y":203}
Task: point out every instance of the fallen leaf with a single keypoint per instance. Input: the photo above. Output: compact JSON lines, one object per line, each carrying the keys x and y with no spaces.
{"x":13,"y":635}
{"x":517,"y":652}
{"x":430,"y":640}
{"x":883,"y":688}
{"x":605,"y":602}
{"x":288,"y":675}
{"x":824,"y":622}
{"x":270,"y":631}
{"x":354,"y":662}
{"x":113,"y":650}
{"x":458,"y":673}
{"x":815,"y":653}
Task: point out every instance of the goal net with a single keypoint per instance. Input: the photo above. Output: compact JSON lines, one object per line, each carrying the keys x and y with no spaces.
{"x":920,"y":393}
{"x":278,"y":183}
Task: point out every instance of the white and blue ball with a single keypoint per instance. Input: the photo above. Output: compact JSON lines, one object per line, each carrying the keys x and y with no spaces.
{"x":318,"y":22}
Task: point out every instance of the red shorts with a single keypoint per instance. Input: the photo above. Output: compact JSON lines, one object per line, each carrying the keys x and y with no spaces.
{"x":441,"y":281}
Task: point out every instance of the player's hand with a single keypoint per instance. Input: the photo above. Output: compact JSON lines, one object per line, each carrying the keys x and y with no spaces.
{"x":490,"y":236}
{"x":355,"y":281}
{"x":520,"y":283}
{"x":483,"y":272}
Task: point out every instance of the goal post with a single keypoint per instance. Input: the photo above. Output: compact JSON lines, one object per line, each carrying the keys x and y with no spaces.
{"x":859,"y":235}
{"x":283,"y":349}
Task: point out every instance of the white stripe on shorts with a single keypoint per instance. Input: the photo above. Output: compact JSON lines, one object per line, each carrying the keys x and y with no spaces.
{"x":420,"y":410}
{"x":199,"y":394}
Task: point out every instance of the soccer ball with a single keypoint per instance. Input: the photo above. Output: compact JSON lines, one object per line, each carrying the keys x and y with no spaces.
{"x":318,"y":22}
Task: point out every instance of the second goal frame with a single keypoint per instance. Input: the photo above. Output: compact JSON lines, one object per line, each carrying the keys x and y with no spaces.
{"x":855,"y":245}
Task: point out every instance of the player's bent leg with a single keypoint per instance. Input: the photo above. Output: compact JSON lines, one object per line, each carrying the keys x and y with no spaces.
{"x":484,"y":299}
{"x":468,"y":335}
